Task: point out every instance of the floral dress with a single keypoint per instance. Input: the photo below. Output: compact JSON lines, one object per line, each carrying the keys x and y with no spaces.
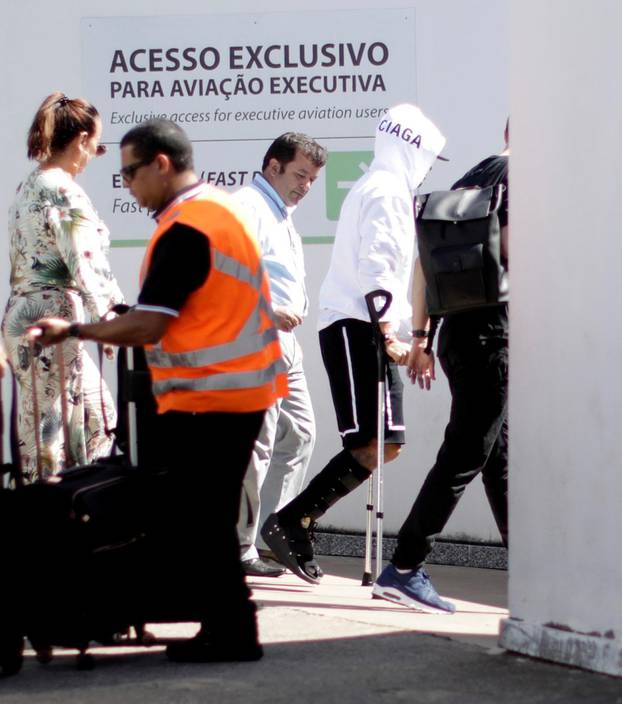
{"x":59,"y":268}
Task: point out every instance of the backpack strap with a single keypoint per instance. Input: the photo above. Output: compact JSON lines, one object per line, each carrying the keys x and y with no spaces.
{"x":434,"y":323}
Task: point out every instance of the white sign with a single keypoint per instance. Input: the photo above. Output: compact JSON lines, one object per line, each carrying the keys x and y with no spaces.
{"x":235,"y":82}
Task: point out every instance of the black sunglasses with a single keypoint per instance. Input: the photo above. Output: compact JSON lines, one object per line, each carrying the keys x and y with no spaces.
{"x":128,"y":172}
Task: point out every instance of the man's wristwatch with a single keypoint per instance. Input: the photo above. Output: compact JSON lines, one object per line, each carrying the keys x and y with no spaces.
{"x":419,"y":334}
{"x":74,"y":330}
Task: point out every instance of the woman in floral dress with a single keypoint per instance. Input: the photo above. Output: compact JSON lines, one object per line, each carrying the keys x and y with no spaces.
{"x":59,"y":268}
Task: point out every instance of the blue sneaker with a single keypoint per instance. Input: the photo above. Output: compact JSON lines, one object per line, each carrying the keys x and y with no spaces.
{"x":413,"y":589}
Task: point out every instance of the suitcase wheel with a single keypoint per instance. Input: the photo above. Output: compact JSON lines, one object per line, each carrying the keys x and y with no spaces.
{"x":85,"y":661}
{"x":11,"y":655}
{"x":44,"y":654}
{"x":143,"y":636}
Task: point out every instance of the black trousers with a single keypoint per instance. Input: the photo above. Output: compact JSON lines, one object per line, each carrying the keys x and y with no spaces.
{"x":208,"y":454}
{"x":473,"y":352}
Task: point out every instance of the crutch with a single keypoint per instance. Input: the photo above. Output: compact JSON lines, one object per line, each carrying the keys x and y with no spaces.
{"x":378,"y":303}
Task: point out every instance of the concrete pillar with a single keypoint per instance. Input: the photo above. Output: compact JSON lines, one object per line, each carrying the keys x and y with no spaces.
{"x":566,"y":333}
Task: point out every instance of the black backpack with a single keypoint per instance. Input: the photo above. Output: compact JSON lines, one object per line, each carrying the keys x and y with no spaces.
{"x":459,"y":240}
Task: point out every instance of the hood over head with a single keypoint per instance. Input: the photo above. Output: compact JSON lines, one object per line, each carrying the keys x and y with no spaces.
{"x":407,"y":142}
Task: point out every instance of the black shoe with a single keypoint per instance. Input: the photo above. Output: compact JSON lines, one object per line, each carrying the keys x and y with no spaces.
{"x":197,"y":650}
{"x":292,"y":546}
{"x":260,"y":568}
{"x":267,"y":554}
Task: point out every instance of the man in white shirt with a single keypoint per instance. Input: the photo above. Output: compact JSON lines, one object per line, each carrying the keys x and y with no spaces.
{"x":282,"y":452}
{"x":373,"y":250}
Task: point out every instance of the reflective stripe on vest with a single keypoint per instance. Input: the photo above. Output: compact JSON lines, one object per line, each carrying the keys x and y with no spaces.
{"x":214,"y":354}
{"x":222,"y":382}
{"x":248,"y":341}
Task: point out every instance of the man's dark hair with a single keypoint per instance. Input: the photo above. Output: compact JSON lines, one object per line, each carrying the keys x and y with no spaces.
{"x":284,"y":149}
{"x":160,"y":136}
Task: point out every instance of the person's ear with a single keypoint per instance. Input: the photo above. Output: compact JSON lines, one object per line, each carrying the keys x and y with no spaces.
{"x":274,"y":167}
{"x":163,"y":163}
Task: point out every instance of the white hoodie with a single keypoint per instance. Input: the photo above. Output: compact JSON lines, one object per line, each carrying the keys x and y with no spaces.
{"x":375,"y":235}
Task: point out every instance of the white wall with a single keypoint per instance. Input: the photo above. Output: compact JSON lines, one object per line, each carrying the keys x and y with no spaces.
{"x":566,"y":320}
{"x":461,"y":79}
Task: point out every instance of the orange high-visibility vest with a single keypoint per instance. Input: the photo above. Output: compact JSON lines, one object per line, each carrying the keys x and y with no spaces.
{"x":222,"y":353}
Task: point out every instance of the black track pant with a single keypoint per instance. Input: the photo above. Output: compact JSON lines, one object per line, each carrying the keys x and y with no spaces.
{"x":473,"y":351}
{"x":208,"y":454}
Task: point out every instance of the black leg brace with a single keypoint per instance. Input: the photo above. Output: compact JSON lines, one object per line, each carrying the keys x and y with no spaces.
{"x":341,"y":475}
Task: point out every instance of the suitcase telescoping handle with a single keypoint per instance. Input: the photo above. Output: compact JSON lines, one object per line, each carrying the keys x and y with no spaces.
{"x":36,"y":411}
{"x":127,"y":356}
{"x":378,"y":303}
{"x":70,"y":460}
{"x":64,"y":403}
{"x":64,"y":410}
{"x":132,"y":413}
{"x":14,"y":468}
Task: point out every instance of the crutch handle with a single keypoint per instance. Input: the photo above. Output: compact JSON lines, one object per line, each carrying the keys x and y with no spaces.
{"x":375,"y":312}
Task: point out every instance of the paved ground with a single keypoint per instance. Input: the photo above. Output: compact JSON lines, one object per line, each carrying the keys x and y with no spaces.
{"x":334,"y":644}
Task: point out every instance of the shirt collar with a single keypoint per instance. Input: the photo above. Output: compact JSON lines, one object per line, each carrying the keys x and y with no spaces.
{"x":262,"y":184}
{"x":185,"y":194}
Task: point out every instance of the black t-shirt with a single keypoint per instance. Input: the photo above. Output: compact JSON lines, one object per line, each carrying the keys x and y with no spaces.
{"x":180,"y":264}
{"x":489,"y":172}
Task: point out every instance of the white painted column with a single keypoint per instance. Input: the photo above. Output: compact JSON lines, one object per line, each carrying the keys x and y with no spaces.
{"x":566,"y":333}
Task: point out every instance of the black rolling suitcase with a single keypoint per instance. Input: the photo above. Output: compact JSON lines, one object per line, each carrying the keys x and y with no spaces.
{"x":81,"y":552}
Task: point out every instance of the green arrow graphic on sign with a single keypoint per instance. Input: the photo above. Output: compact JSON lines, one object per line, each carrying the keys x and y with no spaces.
{"x":343,"y":169}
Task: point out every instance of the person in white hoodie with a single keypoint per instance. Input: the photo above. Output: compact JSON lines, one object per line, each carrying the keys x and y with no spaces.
{"x":373,"y":249}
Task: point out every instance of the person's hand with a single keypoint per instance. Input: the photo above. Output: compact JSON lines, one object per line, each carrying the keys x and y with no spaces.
{"x":285,"y":318}
{"x":109,"y":351}
{"x":49,"y":331}
{"x":421,"y":366}
{"x":397,"y":350}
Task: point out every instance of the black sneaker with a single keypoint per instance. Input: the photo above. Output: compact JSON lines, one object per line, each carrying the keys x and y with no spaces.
{"x":262,"y":568}
{"x":292,"y":547}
